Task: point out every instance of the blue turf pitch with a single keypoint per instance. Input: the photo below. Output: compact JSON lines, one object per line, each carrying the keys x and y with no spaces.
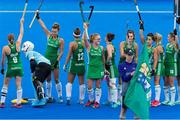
{"x":100,"y":23}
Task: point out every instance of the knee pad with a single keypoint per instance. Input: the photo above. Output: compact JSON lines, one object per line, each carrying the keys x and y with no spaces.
{"x":112,"y":83}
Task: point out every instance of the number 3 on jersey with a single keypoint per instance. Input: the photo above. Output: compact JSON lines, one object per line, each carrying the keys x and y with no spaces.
{"x":80,"y":56}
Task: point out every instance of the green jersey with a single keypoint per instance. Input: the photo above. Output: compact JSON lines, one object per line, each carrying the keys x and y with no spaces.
{"x":178,"y":63}
{"x":96,"y":66}
{"x":77,"y":64}
{"x":114,"y":71}
{"x":126,"y":46}
{"x":160,"y":65}
{"x":170,"y":60}
{"x":171,"y":55}
{"x":150,"y":54}
{"x":52,"y":50}
{"x":14,"y":63}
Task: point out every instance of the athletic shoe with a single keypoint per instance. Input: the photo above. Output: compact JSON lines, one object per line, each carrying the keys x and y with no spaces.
{"x":155,"y":103}
{"x":96,"y":105}
{"x":171,"y":103}
{"x":81,"y":102}
{"x":177,"y":102}
{"x":114,"y":105}
{"x":35,"y":103}
{"x":60,"y":100}
{"x":107,"y":103}
{"x":50,"y":100}
{"x":68,"y":102}
{"x":89,"y":103}
{"x":42,"y":102}
{"x":2,"y":105}
{"x":15,"y":105}
{"x":165,"y":102}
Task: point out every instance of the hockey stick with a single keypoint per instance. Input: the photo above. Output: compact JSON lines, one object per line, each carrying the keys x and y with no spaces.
{"x":40,"y":5}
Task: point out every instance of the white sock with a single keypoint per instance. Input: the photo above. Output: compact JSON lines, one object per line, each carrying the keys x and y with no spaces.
{"x":19,"y":95}
{"x":109,"y":95}
{"x":59,"y":89}
{"x":4,"y":91}
{"x":98,"y":93}
{"x":173,"y":93}
{"x":82,"y":91}
{"x":119,"y":91}
{"x":114,"y":95}
{"x":91,"y":94}
{"x":48,"y":89}
{"x":157,"y":92}
{"x":68,"y":90}
{"x":178,"y":93}
{"x":166,"y":93}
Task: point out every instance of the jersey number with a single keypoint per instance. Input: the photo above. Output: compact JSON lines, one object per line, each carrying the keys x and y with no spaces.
{"x":15,"y":59}
{"x":80,"y":56}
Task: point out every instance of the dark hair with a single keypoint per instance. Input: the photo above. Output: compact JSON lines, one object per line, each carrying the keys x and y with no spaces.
{"x":77,"y":31}
{"x":131,"y":32}
{"x":110,"y":36}
{"x":11,"y":36}
{"x":56,"y":26}
{"x":150,"y":35}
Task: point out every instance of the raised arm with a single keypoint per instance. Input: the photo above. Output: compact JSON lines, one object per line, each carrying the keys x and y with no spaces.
{"x":47,"y":32}
{"x":61,"y":47}
{"x":141,"y":33}
{"x":85,"y":36}
{"x":18,"y":43}
{"x":176,"y":39}
{"x":141,"y":26}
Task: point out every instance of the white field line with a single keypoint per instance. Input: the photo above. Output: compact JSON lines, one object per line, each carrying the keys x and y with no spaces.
{"x":105,"y":12}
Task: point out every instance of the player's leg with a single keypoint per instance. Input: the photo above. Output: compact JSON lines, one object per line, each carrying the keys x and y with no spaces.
{"x":19,"y":92}
{"x":156,"y":102}
{"x":109,"y":100}
{"x":98,"y":93}
{"x":172,"y":90}
{"x":4,"y":91}
{"x":49,"y":89}
{"x":90,"y":93}
{"x":125,"y":86}
{"x":166,"y":91}
{"x":58,"y":85}
{"x":178,"y":80}
{"x":71,"y":78}
{"x":119,"y":90}
{"x":113,"y":92}
{"x":82,"y":88}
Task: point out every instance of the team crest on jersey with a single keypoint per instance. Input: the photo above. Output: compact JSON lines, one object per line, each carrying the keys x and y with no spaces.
{"x":80,"y":50}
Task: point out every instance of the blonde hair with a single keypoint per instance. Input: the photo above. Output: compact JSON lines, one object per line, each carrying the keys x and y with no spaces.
{"x":157,"y":37}
{"x":93,"y":36}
